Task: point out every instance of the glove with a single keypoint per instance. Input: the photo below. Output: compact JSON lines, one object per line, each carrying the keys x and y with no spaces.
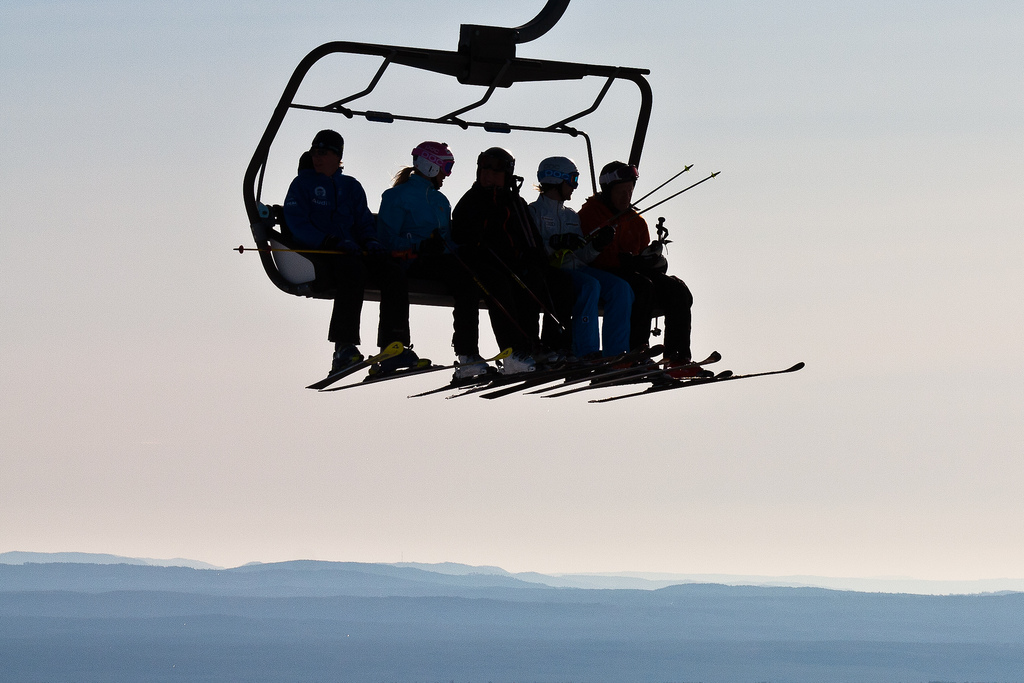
{"x":567,"y":240}
{"x":603,"y":237}
{"x":374,"y":248}
{"x":433,"y":245}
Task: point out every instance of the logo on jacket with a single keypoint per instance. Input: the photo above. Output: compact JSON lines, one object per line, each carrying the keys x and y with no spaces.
{"x":320,"y":192}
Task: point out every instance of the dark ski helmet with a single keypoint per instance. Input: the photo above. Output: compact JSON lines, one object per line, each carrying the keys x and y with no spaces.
{"x":500,"y":159}
{"x":617,"y":172}
{"x":329,"y":139}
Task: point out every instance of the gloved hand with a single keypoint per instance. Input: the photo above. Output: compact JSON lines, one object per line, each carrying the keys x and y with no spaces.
{"x":603,"y":237}
{"x":433,"y":245}
{"x":567,"y":240}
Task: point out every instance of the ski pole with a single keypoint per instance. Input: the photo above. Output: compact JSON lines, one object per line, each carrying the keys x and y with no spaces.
{"x":493,"y":300}
{"x":526,"y":223}
{"x":632,"y":206}
{"x":663,"y":184}
{"x":242,"y":249}
{"x":526,"y":288}
{"x":673,"y":196}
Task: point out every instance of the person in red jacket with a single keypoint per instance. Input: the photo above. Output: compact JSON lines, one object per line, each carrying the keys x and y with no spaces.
{"x":651,"y":284}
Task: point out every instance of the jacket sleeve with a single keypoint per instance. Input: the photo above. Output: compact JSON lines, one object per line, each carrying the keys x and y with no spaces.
{"x":364,"y":227}
{"x":531,"y":226}
{"x":546,"y":228}
{"x":297,"y":208}
{"x":585,"y":254}
{"x":390,"y":218}
{"x":445,"y":220}
{"x":466,"y":220}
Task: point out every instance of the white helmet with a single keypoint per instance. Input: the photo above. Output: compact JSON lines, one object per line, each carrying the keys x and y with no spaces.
{"x":555,"y":170}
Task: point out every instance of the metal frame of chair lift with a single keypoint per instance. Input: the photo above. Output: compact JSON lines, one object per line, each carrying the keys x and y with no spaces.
{"x":486,"y":56}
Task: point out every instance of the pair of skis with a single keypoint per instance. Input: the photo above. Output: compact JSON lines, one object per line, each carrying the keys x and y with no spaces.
{"x":392,"y":350}
{"x":635,"y":367}
{"x":503,"y":385}
{"x":680,"y":384}
{"x":640,"y":369}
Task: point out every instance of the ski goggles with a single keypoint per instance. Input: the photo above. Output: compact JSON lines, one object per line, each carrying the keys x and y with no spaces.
{"x":620,"y":175}
{"x":572,"y":178}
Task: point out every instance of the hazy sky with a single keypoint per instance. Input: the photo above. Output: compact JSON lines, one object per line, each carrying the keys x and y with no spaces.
{"x":868,"y":220}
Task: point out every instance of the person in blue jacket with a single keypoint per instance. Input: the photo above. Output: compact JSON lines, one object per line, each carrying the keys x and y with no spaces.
{"x":325,"y":209}
{"x":414,"y":224}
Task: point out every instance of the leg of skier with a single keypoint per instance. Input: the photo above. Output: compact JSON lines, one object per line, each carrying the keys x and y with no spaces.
{"x":617,"y":299}
{"x":585,"y":338}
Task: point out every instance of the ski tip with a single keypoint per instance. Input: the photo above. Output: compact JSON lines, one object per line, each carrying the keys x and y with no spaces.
{"x":325,"y":382}
{"x":798,"y":366}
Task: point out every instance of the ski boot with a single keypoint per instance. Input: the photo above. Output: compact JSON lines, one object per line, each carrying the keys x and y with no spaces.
{"x":406,"y":360}
{"x":679,"y":367}
{"x":471,"y":366}
{"x":345,"y":356}
{"x":517,"y":363}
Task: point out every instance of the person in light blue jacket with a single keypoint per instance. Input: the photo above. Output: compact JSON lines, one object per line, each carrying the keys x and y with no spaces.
{"x":569,"y":250}
{"x":414,"y":224}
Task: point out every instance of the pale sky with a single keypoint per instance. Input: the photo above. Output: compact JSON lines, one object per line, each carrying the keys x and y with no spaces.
{"x":868,"y":221}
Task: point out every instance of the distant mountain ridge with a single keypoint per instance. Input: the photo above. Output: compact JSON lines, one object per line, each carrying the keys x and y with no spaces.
{"x":598,"y":581}
{"x":364,"y":622}
{"x":18,"y":557}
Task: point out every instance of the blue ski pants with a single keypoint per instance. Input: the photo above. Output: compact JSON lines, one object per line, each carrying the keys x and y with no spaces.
{"x":592,"y":287}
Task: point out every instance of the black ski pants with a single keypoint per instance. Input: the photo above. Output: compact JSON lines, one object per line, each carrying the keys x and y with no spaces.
{"x":445,"y":268}
{"x":513,"y":308}
{"x":675,"y":299}
{"x":348,"y":275}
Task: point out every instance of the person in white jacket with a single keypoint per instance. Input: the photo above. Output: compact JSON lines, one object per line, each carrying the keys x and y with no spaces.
{"x":569,"y":249}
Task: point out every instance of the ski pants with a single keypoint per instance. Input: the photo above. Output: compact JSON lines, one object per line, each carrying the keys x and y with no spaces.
{"x":466,"y":315}
{"x":347,"y":275}
{"x":675,"y":299}
{"x":594,"y":287}
{"x":513,"y":310}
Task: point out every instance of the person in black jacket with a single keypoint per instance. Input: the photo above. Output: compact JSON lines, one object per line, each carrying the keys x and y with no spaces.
{"x":500,"y":245}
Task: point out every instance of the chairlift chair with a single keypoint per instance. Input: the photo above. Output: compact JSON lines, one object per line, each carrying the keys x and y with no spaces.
{"x":486,"y":56}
